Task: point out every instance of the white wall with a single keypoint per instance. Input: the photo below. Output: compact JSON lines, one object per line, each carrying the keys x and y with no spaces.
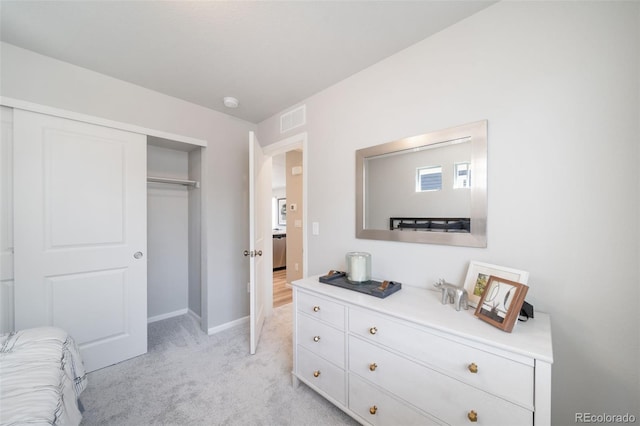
{"x":558,"y":83}
{"x":35,"y":78}
{"x":167,"y":233}
{"x":196,"y":295}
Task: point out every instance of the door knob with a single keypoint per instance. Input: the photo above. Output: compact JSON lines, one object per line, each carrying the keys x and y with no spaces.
{"x":259,"y":253}
{"x":248,"y":253}
{"x":137,"y":255}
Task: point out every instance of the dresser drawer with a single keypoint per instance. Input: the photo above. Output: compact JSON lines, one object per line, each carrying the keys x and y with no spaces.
{"x":321,"y":374}
{"x":320,"y":308}
{"x":379,"y":408}
{"x":501,"y":376}
{"x":438,"y":394}
{"x":321,"y":339}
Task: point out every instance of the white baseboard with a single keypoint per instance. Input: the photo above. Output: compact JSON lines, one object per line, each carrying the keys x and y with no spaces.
{"x":211,"y":331}
{"x":228,"y":325}
{"x":167,"y":315}
{"x":193,"y":314}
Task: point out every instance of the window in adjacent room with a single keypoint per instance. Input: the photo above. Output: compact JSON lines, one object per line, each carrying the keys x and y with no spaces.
{"x":429,"y":179}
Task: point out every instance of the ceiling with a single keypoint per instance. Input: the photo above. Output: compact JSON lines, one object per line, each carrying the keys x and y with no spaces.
{"x":268,"y":54}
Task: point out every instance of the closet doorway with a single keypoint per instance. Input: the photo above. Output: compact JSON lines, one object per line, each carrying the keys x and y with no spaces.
{"x":85,"y":169}
{"x":288,"y":213}
{"x":174,"y":176}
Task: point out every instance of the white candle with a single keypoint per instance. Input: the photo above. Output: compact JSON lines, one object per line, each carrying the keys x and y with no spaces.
{"x":358,"y":266}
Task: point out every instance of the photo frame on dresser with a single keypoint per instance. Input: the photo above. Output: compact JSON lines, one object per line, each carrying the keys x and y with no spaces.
{"x":478,"y":277}
{"x":500,"y":302}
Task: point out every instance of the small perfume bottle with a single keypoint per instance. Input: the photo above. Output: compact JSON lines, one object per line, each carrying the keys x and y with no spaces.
{"x":358,"y":266}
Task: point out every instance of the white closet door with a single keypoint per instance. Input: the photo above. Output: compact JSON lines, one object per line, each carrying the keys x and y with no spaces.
{"x":80,"y":234}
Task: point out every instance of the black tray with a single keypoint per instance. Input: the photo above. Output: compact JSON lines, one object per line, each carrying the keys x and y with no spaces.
{"x":371,"y":287}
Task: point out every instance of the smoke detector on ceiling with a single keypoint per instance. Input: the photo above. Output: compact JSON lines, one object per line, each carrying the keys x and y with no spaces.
{"x":230,"y":102}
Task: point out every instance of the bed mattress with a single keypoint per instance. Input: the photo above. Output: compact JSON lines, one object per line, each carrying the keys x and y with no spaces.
{"x":41,"y":378}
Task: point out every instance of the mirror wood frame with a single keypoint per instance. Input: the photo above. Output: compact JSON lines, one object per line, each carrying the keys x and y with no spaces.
{"x":477,"y":131}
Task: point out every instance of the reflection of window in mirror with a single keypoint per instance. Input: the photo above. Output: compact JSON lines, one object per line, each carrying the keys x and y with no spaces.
{"x":429,"y":179}
{"x":462,"y":175}
{"x":416,"y":177}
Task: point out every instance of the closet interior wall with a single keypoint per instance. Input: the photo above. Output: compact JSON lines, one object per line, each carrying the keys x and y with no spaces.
{"x":173,"y":231}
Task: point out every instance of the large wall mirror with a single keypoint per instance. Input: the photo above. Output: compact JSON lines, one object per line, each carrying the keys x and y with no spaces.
{"x":430,"y":188}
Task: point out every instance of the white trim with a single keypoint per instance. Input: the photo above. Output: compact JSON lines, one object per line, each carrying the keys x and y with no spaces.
{"x":292,"y":142}
{"x":43,"y":109}
{"x":167,"y":315}
{"x":194,"y":315}
{"x":228,"y":325}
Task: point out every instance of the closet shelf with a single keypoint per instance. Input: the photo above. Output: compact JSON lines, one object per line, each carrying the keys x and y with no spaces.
{"x":191,"y":183}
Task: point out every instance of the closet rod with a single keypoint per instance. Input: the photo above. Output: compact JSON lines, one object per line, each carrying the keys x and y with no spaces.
{"x":193,"y":183}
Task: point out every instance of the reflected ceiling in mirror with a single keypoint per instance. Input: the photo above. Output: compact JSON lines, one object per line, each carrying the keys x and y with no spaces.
{"x":430,"y":188}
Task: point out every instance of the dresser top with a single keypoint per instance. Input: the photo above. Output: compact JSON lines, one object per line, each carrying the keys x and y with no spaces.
{"x":423,"y":307}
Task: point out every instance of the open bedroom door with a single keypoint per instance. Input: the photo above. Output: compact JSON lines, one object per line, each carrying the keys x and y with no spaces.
{"x":259,"y":235}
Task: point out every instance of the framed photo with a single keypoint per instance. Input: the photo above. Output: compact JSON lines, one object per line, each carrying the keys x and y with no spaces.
{"x":282,"y":211}
{"x":500,"y":302}
{"x":478,"y":276}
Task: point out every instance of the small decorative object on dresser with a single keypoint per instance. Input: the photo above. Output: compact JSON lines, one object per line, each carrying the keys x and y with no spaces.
{"x":371,"y":287}
{"x":453,"y":294}
{"x":501,"y":302}
{"x":478,"y":276}
{"x":358,"y":267}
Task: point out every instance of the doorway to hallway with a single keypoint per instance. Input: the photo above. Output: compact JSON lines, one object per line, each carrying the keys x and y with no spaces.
{"x":288,"y":215}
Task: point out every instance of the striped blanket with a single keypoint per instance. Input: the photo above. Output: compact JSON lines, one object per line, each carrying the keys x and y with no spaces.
{"x":41,"y":377}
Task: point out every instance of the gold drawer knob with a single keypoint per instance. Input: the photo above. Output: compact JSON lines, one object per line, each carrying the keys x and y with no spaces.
{"x":373,"y":366}
{"x":373,"y":410}
{"x":316,"y":338}
{"x":473,"y":416}
{"x":316,"y":373}
{"x":373,"y":330}
{"x":316,"y":308}
{"x":473,"y":368}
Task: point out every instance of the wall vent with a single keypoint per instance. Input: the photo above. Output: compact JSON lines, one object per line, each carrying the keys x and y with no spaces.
{"x":293,"y":119}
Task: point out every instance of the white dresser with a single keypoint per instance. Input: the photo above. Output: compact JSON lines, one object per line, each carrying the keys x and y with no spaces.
{"x":409,"y":360}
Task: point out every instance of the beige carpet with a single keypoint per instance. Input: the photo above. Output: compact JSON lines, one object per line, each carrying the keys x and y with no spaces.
{"x":189,"y":378}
